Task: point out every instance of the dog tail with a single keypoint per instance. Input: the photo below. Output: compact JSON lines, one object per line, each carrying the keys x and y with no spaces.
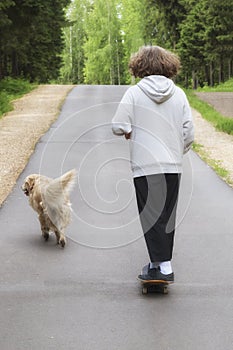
{"x":55,"y":197}
{"x":60,"y":188}
{"x":67,"y":181}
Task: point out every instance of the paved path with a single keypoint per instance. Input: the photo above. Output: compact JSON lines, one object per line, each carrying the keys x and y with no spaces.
{"x":86,"y":297}
{"x":221,"y":101}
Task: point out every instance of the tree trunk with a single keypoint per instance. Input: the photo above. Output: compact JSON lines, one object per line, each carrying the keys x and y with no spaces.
{"x":195,"y":80}
{"x":118,"y":66}
{"x":14,"y":64}
{"x":229,"y":68}
{"x":211,"y":74}
{"x":186,"y":81}
{"x":220,"y":72}
{"x":5,"y":66}
{"x":1,"y":65}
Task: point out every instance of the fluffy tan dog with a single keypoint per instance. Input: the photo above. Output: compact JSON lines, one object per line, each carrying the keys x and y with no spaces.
{"x":50,"y":199}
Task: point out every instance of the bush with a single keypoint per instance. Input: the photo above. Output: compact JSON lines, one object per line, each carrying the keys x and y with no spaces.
{"x":10,"y":89}
{"x":4,"y":102}
{"x":227,"y":86}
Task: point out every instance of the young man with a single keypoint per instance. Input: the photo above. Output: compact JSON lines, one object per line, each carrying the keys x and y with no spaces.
{"x":155,"y":115}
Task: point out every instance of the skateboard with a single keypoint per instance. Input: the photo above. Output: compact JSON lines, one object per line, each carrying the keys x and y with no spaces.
{"x":153,"y":287}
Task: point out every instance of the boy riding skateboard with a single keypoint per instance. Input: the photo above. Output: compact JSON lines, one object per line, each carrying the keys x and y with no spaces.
{"x":155,"y":115}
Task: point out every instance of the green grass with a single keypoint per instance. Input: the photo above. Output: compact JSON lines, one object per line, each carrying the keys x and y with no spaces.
{"x":11,"y":89}
{"x":220,"y":122}
{"x":227,"y":86}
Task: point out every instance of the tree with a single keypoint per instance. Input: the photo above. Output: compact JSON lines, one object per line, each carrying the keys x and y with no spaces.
{"x":168,"y":15}
{"x":5,"y":25}
{"x":191,"y":43}
{"x":153,"y":24}
{"x":103,"y":47}
{"x":75,"y":37}
{"x":205,"y":44}
{"x":131,"y":15}
{"x":219,"y":39}
{"x":32,"y":41}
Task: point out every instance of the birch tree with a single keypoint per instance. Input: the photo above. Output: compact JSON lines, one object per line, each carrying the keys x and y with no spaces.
{"x":75,"y":36}
{"x":103,"y":47}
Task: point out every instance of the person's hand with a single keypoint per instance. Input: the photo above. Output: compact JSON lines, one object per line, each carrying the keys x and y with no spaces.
{"x":127,"y":136}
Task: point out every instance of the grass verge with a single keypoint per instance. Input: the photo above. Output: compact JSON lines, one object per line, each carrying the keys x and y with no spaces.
{"x":220,"y":122}
{"x":11,"y":89}
{"x":213,"y":163}
{"x":227,"y":86}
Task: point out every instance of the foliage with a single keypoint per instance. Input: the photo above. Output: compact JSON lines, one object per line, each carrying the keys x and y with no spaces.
{"x":75,"y":36}
{"x":132,"y":29}
{"x":227,"y":86}
{"x":108,"y":32}
{"x":10,"y":89}
{"x":103,"y":47}
{"x":100,"y":36}
{"x":31,"y":38}
{"x":154,"y":32}
{"x":201,"y":32}
{"x":172,"y":13}
{"x":206,"y":44}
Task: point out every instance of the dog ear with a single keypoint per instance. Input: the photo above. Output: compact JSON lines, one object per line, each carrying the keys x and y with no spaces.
{"x":29,"y":184}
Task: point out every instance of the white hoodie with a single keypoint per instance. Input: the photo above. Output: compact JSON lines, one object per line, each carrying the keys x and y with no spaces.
{"x":158,"y":115}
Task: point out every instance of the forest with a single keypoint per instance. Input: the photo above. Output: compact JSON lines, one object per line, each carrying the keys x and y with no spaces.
{"x":31,"y":38}
{"x":90,"y":41}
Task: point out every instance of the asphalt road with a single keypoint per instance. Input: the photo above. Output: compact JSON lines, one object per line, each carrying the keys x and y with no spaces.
{"x":86,"y":296}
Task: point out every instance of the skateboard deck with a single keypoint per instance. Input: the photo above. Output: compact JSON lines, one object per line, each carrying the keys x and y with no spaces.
{"x":153,"y":287}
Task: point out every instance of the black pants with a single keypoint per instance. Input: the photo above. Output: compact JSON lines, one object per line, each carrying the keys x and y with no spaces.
{"x":157,"y":197}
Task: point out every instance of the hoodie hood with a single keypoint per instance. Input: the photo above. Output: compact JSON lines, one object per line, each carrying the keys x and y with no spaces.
{"x":157,"y":87}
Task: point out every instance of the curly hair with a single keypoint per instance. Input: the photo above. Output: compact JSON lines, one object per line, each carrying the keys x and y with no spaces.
{"x":154,"y":60}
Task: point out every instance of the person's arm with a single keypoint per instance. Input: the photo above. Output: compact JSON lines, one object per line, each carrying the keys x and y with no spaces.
{"x":188,"y":129}
{"x":122,"y":120}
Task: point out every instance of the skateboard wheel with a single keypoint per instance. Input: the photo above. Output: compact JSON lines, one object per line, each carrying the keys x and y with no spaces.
{"x":144,"y":290}
{"x":165,"y":290}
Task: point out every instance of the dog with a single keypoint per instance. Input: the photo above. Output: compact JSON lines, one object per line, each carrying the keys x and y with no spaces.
{"x":50,"y":199}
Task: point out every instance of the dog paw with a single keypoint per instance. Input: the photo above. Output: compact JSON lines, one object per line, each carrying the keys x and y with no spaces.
{"x":45,"y":235}
{"x":62,"y":242}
